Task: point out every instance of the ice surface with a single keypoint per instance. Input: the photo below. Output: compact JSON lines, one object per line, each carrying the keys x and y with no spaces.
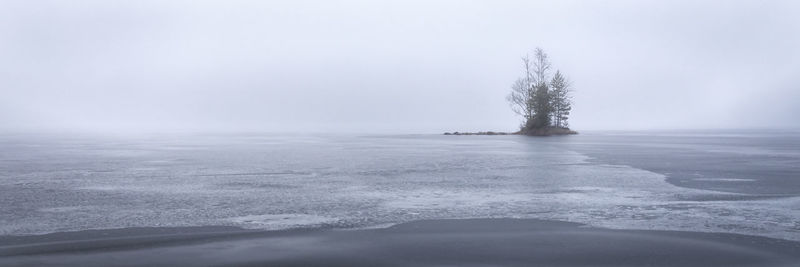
{"x":280,"y":221}
{"x":275,"y":182}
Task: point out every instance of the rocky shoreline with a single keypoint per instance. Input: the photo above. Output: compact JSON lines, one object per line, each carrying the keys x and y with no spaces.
{"x":535,"y":132}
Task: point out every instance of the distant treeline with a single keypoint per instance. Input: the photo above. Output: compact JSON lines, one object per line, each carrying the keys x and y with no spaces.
{"x":543,"y":100}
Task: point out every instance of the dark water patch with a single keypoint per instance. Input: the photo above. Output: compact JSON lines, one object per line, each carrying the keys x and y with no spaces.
{"x":726,"y":197}
{"x":761,"y":164}
{"x":508,"y":242}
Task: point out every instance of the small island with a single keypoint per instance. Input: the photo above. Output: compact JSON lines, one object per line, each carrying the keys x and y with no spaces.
{"x":543,"y":101}
{"x":536,"y":132}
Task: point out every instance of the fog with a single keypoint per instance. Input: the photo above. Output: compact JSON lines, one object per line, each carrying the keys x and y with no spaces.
{"x":391,"y":66}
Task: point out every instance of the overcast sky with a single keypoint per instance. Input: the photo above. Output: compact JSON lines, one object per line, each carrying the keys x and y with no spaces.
{"x":400,"y":66}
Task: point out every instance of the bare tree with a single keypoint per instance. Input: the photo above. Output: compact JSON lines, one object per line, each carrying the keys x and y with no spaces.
{"x":541,"y":67}
{"x":540,"y":100}
{"x":522,"y":92}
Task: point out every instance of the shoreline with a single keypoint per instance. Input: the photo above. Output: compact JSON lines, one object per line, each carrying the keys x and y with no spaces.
{"x":534,"y":132}
{"x":428,"y":242}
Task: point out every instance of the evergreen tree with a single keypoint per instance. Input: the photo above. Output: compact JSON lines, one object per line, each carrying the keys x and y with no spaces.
{"x":542,"y":101}
{"x":561,"y":101}
{"x":542,"y":108}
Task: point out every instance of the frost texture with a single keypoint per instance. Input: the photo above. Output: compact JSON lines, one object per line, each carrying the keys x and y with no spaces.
{"x":279,"y":182}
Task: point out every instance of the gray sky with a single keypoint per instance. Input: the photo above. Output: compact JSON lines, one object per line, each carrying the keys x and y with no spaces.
{"x":402,"y":66}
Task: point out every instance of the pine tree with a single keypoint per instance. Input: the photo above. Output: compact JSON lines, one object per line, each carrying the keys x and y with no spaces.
{"x":541,"y":103}
{"x":561,"y":100}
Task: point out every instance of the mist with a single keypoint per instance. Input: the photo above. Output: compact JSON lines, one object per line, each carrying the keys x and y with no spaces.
{"x":396,"y":66}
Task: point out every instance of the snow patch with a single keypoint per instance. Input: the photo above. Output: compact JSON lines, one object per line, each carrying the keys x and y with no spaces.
{"x":280,"y":221}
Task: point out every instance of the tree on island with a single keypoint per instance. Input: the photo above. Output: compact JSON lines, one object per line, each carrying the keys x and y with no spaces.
{"x":543,"y":101}
{"x":561,"y":100}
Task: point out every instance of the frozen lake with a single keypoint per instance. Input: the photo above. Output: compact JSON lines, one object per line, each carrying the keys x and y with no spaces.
{"x":745,"y":182}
